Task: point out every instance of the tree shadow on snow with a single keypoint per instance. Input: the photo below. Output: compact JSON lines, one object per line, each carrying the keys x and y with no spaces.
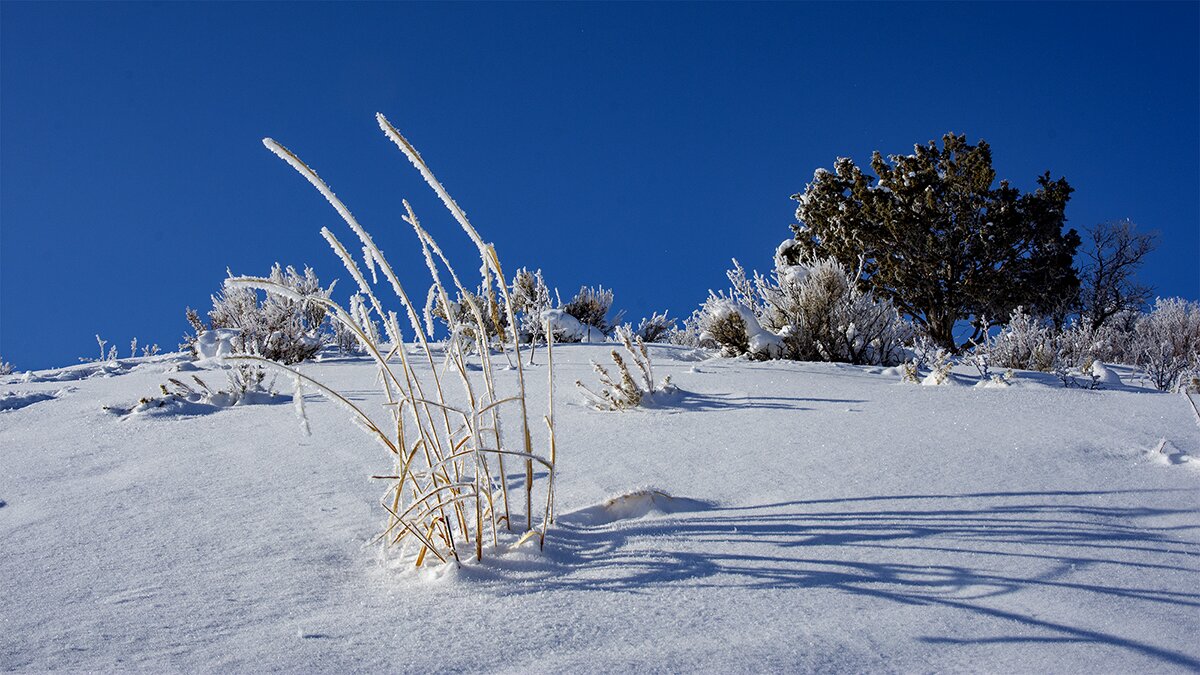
{"x":880,"y":547}
{"x":693,"y":402}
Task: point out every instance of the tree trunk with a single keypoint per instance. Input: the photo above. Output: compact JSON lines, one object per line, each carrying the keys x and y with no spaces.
{"x":941,"y":330}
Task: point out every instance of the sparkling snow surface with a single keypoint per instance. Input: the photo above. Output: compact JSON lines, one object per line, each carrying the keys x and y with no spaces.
{"x":824,"y":518}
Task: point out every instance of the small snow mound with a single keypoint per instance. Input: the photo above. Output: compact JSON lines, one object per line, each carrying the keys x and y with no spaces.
{"x":80,"y":372}
{"x":15,"y":400}
{"x":687,"y":355}
{"x":1167,"y":454}
{"x":632,"y":505}
{"x":216,"y":343}
{"x":936,"y":379}
{"x":1105,"y":375}
{"x":664,"y":396}
{"x":993,"y":383}
{"x":570,"y":329}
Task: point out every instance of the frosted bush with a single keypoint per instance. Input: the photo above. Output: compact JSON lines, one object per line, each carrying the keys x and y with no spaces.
{"x":655,"y":328}
{"x":109,"y":356}
{"x":723,"y":326}
{"x":840,"y":322}
{"x":531,"y":300}
{"x":278,"y":328}
{"x":460,"y":316}
{"x":1167,"y":343}
{"x":347,"y":339}
{"x":939,"y":371}
{"x":811,"y":312}
{"x":567,"y":328}
{"x":590,"y":307}
{"x":922,"y":350}
{"x":6,"y":368}
{"x":246,"y":386}
{"x":732,"y":326}
{"x":1113,"y":342}
{"x":1075,"y":353}
{"x":1025,"y":343}
{"x":689,"y":333}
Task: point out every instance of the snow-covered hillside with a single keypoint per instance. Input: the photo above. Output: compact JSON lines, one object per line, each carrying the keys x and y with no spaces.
{"x":795,"y":517}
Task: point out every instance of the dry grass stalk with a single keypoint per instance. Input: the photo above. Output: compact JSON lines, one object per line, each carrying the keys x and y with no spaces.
{"x":441,"y":495}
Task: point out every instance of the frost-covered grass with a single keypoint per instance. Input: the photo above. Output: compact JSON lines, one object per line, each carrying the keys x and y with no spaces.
{"x":777,"y":516}
{"x":447,"y":489}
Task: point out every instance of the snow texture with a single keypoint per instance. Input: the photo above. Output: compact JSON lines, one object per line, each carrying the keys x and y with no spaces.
{"x":803,"y":518}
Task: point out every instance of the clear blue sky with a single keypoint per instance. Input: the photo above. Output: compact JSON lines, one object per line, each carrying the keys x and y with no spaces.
{"x":640,"y":146}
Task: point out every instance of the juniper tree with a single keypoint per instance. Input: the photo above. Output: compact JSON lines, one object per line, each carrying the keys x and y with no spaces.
{"x":933,"y":232}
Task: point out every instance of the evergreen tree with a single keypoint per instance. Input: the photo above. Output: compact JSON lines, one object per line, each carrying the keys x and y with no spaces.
{"x":935,"y":235}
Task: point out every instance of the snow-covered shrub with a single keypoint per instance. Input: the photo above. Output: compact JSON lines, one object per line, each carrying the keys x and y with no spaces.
{"x":245,"y":387}
{"x":655,"y":328}
{"x":839,"y":322}
{"x":922,"y":350}
{"x":732,"y":326}
{"x":1113,"y":342}
{"x":531,"y":301}
{"x":347,"y":340}
{"x":625,"y":391}
{"x":1029,"y":343}
{"x":689,"y":333}
{"x":980,"y":357}
{"x":109,"y":356}
{"x":6,"y":368}
{"x":147,"y":350}
{"x":1189,"y":381}
{"x":1167,"y":342}
{"x":278,"y":328}
{"x":567,"y":328}
{"x":809,"y":312}
{"x":939,"y":370}
{"x":460,"y":315}
{"x":590,"y":307}
{"x":448,"y":487}
{"x":246,"y":380}
{"x":1025,"y":342}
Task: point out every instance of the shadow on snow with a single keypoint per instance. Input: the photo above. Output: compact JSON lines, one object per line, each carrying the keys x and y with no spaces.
{"x":739,"y":547}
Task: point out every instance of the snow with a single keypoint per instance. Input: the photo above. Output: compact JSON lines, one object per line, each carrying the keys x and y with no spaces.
{"x":773,"y":516}
{"x":216,"y":343}
{"x":1104,"y":375}
{"x":570,"y":329}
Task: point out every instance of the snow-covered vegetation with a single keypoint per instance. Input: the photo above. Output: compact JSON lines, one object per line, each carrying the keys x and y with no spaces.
{"x":1163,"y":343}
{"x":275,"y":327}
{"x":626,"y":390}
{"x":448,"y":488}
{"x":811,"y":311}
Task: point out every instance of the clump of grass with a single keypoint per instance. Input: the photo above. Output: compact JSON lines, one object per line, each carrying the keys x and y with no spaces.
{"x":625,"y":391}
{"x":447,"y":491}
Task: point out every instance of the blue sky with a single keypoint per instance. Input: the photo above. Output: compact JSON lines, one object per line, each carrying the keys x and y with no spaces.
{"x":639,"y":146}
